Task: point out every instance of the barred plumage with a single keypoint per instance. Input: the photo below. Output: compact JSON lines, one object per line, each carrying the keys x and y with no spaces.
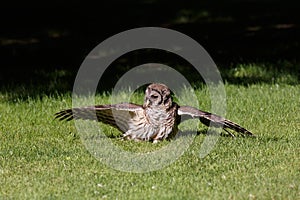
{"x":155,"y":120}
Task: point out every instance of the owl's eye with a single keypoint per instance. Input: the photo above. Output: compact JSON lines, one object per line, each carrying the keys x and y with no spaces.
{"x":154,"y":96}
{"x":166,"y":100}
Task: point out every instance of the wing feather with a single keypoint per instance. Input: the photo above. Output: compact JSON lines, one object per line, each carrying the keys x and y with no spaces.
{"x":187,"y":112}
{"x":117,"y":115}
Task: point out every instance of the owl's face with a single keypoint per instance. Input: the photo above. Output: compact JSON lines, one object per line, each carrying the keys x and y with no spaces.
{"x":158,"y":95}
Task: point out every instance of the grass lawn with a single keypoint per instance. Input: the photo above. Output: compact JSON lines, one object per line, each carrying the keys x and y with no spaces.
{"x":42,"y":158}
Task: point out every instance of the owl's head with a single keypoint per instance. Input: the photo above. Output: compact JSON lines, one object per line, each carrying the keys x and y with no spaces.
{"x":158,"y":95}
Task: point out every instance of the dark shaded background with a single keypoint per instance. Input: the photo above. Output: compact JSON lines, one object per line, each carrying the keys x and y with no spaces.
{"x":44,"y":43}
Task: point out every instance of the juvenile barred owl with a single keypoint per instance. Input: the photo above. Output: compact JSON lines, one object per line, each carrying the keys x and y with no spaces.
{"x":155,"y":120}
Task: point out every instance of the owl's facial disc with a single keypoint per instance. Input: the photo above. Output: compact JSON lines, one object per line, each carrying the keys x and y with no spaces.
{"x":153,"y":98}
{"x":158,"y":95}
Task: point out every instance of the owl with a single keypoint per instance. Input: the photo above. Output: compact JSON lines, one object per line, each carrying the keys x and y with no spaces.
{"x":157,"y":119}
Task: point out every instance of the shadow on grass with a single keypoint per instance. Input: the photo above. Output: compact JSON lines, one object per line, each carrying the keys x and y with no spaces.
{"x":57,"y":82}
{"x":281,"y":72}
{"x":43,"y":58}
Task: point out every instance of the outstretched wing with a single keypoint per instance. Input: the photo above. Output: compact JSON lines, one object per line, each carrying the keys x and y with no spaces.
{"x":187,"y":112}
{"x":118,"y":115}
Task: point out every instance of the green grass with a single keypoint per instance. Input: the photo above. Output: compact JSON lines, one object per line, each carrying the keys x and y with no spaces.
{"x":42,"y":158}
{"x":282,"y":72}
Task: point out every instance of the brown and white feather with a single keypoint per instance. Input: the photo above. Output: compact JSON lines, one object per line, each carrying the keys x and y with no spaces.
{"x":157,"y":119}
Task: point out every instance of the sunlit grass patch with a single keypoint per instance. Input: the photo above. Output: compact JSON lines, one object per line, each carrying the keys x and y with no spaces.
{"x":44,"y":158}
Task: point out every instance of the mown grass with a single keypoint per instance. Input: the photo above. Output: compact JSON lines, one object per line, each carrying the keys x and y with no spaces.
{"x":42,"y":158}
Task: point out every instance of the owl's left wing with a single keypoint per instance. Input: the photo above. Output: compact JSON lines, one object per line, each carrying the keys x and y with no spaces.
{"x":117,"y":115}
{"x":187,"y":112}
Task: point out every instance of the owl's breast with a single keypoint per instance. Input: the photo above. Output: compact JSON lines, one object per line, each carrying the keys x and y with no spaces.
{"x":154,"y":125}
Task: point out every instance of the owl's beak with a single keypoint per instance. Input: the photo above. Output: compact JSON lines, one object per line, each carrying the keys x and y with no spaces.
{"x":147,"y":103}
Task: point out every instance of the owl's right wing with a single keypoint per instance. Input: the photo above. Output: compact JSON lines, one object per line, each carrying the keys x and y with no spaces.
{"x":117,"y":115}
{"x":187,"y":112}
